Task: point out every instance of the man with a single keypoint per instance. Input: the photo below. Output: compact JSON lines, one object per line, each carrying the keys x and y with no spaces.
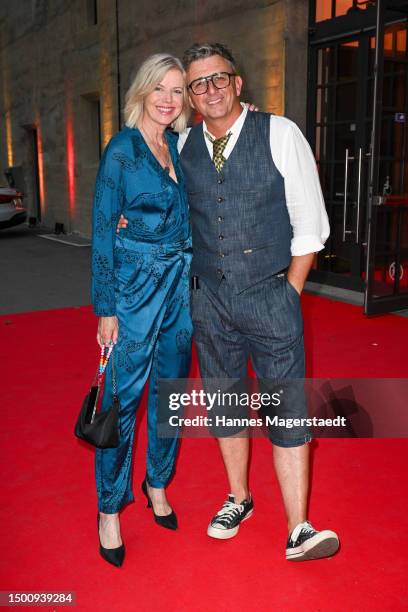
{"x":258,"y":217}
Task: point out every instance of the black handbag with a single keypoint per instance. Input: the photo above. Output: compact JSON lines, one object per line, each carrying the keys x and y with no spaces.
{"x":101,"y":429}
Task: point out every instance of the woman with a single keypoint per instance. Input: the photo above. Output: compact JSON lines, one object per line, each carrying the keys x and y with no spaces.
{"x":140,"y":285}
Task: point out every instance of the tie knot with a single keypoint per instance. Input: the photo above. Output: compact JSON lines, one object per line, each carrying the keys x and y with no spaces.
{"x":219,"y":145}
{"x":222,"y":142}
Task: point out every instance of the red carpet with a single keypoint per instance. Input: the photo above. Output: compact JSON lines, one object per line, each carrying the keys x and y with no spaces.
{"x":48,"y":510}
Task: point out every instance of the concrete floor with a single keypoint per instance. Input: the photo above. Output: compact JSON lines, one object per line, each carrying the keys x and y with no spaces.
{"x":39,"y":274}
{"x":343,"y":295}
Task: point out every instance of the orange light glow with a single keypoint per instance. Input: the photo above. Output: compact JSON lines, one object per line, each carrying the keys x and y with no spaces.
{"x":274,"y":95}
{"x":40,"y":168}
{"x":7,"y":104}
{"x":69,"y":134}
{"x":395,"y":40}
{"x":342,"y":6}
{"x":402,"y":41}
{"x":107,"y":84}
{"x":9,"y":139}
{"x":323,"y":10}
{"x":273,"y":45}
{"x":106,"y":119}
{"x":388,"y":40}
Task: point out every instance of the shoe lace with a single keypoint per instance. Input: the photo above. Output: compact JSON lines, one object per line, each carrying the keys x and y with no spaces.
{"x":306,"y":526}
{"x":230,"y":510}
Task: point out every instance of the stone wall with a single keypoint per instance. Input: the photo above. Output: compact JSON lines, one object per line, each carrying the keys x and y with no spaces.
{"x":55,"y":63}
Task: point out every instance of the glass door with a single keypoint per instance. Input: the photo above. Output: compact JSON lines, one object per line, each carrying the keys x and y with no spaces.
{"x":342,"y":138}
{"x":364,"y":179}
{"x":387,"y":263}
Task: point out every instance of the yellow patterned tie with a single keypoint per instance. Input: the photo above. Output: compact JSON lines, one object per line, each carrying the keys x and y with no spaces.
{"x":219,"y":145}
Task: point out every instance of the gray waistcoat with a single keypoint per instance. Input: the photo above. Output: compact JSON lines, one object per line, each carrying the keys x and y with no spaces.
{"x":240,"y":222}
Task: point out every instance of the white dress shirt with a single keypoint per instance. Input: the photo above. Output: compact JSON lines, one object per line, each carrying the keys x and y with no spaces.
{"x":294,"y":160}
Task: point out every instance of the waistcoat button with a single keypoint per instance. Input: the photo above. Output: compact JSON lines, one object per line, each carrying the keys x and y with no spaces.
{"x":219,"y":200}
{"x":221,"y":237}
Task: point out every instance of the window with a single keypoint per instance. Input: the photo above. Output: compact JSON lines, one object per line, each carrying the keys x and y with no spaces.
{"x":327,"y":9}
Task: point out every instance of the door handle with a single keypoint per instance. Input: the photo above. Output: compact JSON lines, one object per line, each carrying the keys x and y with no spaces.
{"x":360,"y":158}
{"x":348,"y":158}
{"x":360,"y":164}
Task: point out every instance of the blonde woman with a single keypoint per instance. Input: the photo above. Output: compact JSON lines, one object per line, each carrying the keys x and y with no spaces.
{"x":140,"y":285}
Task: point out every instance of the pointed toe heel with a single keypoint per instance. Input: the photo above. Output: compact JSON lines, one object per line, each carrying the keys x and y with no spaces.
{"x":169,"y":521}
{"x":114,"y":556}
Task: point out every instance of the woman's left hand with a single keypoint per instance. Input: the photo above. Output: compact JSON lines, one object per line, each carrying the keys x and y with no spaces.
{"x":108,"y":330}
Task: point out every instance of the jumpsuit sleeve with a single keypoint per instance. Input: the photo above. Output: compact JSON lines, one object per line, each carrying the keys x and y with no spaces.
{"x":107,"y":207}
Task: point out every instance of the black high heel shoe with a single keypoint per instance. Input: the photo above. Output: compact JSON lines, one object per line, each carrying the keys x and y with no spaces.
{"x":169,"y":521}
{"x":115,"y":556}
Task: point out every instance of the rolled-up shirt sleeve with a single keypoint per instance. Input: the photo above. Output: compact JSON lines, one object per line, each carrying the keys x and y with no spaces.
{"x":304,"y":199}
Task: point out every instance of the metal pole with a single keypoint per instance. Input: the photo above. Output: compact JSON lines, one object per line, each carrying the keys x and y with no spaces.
{"x":375,"y":148}
{"x":377,"y":99}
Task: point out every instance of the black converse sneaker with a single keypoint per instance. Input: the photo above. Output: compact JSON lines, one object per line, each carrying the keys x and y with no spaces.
{"x":305,"y":543}
{"x":226,"y":522}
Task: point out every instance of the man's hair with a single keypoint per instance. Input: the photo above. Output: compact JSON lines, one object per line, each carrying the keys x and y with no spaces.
{"x":201,"y":51}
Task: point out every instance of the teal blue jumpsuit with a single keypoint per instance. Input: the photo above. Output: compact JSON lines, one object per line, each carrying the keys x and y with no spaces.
{"x":141,"y":276}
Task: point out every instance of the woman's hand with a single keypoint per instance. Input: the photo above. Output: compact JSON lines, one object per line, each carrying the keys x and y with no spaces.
{"x":251,"y":107}
{"x":122,"y":223}
{"x":108,"y":329}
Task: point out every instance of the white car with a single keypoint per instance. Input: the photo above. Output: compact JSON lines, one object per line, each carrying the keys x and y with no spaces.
{"x":12,"y":211}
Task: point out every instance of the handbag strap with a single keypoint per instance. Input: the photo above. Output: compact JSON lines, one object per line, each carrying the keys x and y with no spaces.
{"x":106,"y":352}
{"x":114,"y":385}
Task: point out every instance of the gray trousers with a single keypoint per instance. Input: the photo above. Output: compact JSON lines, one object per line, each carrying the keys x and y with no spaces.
{"x":264,"y":322}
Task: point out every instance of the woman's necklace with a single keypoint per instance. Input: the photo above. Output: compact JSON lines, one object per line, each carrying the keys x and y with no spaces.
{"x":161,"y":152}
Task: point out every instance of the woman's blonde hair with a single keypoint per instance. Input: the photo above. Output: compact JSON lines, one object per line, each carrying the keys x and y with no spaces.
{"x":149,"y":75}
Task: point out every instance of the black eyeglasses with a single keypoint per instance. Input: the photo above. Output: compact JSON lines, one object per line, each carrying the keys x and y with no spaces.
{"x":220,"y":80}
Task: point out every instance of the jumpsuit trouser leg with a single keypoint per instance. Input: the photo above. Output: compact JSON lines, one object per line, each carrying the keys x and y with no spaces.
{"x":154,"y":341}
